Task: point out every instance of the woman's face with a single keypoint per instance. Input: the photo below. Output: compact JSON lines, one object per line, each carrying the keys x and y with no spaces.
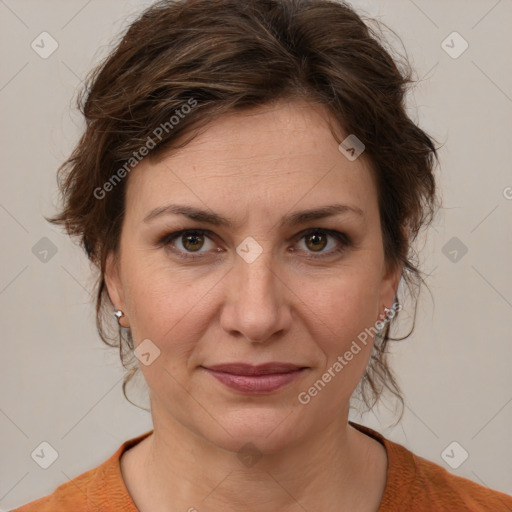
{"x":261,"y":289}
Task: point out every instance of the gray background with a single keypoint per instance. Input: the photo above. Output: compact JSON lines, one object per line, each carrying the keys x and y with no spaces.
{"x":61,"y":385}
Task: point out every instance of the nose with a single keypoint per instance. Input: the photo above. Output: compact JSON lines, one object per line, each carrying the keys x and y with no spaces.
{"x":257,"y":301}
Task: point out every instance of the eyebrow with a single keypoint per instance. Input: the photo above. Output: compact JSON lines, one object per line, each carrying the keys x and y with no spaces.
{"x":215,"y":219}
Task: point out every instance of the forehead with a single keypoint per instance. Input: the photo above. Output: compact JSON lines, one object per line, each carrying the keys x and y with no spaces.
{"x":265,"y":158}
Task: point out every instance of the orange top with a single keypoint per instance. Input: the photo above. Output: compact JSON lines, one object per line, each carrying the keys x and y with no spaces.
{"x":413,"y":484}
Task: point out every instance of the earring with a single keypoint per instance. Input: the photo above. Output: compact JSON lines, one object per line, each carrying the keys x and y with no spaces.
{"x":390,"y":313}
{"x":118,"y":314}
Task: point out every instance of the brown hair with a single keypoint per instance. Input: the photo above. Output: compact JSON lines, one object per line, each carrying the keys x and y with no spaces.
{"x":221,"y":56}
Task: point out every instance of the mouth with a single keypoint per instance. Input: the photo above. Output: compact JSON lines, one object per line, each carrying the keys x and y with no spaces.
{"x":260,"y":379}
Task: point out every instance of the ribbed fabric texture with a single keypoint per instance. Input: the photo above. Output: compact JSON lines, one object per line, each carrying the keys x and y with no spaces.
{"x":413,"y":484}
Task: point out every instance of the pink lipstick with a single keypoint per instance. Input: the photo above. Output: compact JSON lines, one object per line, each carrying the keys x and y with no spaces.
{"x":259,"y":379}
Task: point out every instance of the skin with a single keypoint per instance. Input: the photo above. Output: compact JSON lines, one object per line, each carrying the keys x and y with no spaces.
{"x":253,"y":168}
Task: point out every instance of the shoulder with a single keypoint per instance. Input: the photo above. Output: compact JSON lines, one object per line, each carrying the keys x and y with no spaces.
{"x":101,"y":488}
{"x":431,"y":483}
{"x":71,"y":495}
{"x":415,"y":483}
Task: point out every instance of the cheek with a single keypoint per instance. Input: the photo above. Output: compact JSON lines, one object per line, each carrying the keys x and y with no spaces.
{"x":172,"y":306}
{"x":345,"y":317}
{"x":344,"y":312}
{"x":163,"y":309}
{"x":165,"y":304}
{"x":346,"y":304}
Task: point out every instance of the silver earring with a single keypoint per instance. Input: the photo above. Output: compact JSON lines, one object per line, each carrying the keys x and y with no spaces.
{"x":118,"y":314}
{"x":390,"y":313}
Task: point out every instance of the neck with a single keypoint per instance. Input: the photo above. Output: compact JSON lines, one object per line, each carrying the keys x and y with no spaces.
{"x":331,"y":470}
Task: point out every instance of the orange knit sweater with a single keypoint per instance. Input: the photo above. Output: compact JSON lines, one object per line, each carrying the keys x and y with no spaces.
{"x":413,"y":484}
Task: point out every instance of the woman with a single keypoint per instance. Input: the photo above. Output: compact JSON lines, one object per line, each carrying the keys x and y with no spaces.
{"x":249,"y":186}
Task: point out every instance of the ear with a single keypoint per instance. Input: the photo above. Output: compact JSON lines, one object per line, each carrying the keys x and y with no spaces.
{"x":392,"y":274}
{"x":114,"y":286}
{"x":389,"y":285}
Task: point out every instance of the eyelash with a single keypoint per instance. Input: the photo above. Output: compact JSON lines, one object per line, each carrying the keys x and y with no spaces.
{"x":345,"y":241}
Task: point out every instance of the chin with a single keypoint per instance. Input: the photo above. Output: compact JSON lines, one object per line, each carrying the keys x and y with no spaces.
{"x":269,"y":429}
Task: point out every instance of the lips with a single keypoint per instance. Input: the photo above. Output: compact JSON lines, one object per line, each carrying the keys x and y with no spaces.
{"x":251,"y":379}
{"x":261,"y":369}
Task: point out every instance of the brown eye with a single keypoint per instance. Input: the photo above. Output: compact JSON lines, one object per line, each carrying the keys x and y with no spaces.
{"x":188,"y":243}
{"x":316,"y":241}
{"x":323,"y":243}
{"x":192,"y":242}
